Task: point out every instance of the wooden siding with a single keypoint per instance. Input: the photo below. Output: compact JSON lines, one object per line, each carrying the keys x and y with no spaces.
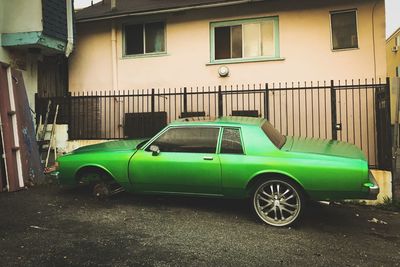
{"x":55,"y":19}
{"x":53,"y":76}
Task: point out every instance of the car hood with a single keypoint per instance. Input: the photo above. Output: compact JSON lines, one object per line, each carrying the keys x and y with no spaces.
{"x":110,"y":146}
{"x":323,"y":147}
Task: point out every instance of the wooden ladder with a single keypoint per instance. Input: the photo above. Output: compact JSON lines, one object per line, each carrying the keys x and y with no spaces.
{"x":46,"y":145}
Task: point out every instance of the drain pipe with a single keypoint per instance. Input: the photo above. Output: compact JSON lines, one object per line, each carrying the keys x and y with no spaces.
{"x":113,"y":4}
{"x":70,"y":28}
{"x":373,"y":36}
{"x":114,"y":57}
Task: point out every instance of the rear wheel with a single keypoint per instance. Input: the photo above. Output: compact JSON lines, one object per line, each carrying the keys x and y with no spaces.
{"x":278,"y":202}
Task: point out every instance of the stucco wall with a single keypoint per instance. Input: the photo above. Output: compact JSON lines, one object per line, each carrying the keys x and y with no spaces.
{"x":29,"y":74}
{"x":90,"y":63}
{"x":22,"y":16}
{"x":304,"y":44}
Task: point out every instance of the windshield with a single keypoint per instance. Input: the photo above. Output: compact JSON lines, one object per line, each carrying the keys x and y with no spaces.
{"x":276,"y":137}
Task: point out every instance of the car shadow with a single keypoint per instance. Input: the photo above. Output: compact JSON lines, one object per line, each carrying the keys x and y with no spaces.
{"x":326,"y":217}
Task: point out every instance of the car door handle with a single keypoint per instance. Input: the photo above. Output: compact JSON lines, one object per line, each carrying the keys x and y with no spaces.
{"x":208,"y":158}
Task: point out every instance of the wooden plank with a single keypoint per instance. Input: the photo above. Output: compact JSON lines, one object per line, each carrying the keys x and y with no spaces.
{"x":11,"y":93}
{"x":7,"y":131}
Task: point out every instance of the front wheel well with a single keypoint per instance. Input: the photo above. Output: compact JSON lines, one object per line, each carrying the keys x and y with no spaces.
{"x":90,"y":173}
{"x":272,"y":175}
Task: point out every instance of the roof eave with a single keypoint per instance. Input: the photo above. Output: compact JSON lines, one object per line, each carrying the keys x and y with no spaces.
{"x":392,"y":35}
{"x":169,"y":10}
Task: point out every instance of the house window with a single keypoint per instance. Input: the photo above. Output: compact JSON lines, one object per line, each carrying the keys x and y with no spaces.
{"x":398,"y":71}
{"x":244,"y":39}
{"x":141,"y":39}
{"x":344,"y":29}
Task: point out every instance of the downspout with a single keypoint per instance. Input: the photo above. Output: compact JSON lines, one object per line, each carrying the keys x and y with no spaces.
{"x":373,"y":37}
{"x":114,"y":56}
{"x":70,"y":28}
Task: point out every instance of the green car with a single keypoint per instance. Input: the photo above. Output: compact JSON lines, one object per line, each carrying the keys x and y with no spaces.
{"x":230,"y":157}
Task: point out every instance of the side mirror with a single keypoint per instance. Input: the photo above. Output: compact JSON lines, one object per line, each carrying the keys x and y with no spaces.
{"x":155,"y":149}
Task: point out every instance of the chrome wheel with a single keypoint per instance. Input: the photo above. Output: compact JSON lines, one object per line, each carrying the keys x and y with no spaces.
{"x":277,"y":202}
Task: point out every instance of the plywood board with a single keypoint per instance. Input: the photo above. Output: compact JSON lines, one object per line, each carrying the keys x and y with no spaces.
{"x":31,"y":167}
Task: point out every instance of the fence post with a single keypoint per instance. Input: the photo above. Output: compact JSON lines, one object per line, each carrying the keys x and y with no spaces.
{"x":220,"y":102}
{"x":395,"y":143}
{"x":266,"y":102}
{"x":388,"y":124}
{"x":333,"y":111}
{"x":152,"y":101}
{"x":69,"y":114}
{"x":185,"y":101}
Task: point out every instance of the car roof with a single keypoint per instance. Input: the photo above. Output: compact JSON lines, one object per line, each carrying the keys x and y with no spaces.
{"x":222,"y":121}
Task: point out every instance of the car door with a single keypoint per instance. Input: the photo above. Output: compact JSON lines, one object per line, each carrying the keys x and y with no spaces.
{"x":235,"y":168}
{"x":186,"y":163}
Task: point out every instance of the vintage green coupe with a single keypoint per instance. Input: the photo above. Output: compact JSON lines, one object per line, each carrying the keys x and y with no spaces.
{"x":230,"y":157}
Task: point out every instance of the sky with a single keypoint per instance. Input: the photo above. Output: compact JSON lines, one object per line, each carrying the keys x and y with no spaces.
{"x":392,"y":13}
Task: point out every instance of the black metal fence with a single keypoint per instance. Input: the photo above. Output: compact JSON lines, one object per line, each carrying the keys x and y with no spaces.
{"x":357,"y":112}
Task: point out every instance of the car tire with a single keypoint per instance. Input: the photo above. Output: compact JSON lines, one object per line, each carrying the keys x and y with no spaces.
{"x":278,"y":202}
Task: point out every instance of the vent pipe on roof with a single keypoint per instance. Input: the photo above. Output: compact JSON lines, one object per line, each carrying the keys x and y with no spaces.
{"x":113,"y":4}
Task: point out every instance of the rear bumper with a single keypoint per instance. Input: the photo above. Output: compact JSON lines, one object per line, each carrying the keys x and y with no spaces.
{"x":373,"y":188}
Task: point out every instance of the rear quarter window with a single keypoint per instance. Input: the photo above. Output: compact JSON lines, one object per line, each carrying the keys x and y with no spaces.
{"x":231,"y":142}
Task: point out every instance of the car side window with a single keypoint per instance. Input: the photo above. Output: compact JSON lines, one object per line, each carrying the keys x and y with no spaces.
{"x":231,"y":142}
{"x":190,"y":140}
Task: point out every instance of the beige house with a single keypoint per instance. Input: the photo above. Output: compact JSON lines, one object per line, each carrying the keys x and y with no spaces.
{"x":162,"y":44}
{"x":393,"y":54}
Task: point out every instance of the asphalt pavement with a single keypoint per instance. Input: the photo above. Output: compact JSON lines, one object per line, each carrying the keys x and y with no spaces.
{"x":48,"y":226}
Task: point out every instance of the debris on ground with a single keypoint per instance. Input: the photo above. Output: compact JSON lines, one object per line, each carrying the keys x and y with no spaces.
{"x":38,"y":227}
{"x":375,"y":220}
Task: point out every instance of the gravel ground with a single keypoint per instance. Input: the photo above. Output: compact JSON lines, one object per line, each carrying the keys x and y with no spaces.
{"x":48,"y":226}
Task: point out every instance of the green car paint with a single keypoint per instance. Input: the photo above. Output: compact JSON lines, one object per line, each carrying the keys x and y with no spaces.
{"x":325,"y":169}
